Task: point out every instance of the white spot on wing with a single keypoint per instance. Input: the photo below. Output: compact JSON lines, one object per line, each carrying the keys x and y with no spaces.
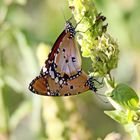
{"x":52,"y":74}
{"x":56,"y":80}
{"x":44,"y":69}
{"x":60,"y":82}
{"x":30,"y":87}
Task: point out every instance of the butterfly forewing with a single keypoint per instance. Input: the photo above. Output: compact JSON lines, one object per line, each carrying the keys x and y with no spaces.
{"x":56,"y":45}
{"x":54,"y":51}
{"x":64,"y":58}
{"x":68,"y":60}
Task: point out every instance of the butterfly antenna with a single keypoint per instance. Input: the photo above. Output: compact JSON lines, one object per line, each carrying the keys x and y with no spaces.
{"x":95,"y":80}
{"x":66,"y":20}
{"x":101,"y":83}
{"x":70,"y":18}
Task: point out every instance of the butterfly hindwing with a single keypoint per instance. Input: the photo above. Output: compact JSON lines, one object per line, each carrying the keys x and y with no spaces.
{"x":45,"y":85}
{"x":39,"y":85}
{"x":75,"y":86}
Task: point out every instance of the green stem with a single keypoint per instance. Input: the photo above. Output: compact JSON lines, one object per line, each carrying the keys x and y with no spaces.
{"x":111,"y":81}
{"x":4,"y":125}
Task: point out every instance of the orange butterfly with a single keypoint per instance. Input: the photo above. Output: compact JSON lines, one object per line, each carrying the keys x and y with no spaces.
{"x":62,"y":74}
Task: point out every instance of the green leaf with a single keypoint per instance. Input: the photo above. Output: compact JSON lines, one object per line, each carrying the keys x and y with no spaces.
{"x":118,"y":115}
{"x":125,"y":97}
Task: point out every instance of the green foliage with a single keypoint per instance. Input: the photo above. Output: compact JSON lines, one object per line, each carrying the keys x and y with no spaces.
{"x":125,"y":96}
{"x":95,"y":42}
{"x":126,"y":102}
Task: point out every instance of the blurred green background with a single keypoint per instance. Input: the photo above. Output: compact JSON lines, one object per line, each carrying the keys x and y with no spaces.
{"x":28,"y":29}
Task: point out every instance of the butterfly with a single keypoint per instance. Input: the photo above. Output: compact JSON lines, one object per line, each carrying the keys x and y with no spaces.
{"x":62,"y":74}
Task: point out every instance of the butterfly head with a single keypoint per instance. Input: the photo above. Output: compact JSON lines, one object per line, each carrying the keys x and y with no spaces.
{"x":70,"y":28}
{"x":90,"y":83}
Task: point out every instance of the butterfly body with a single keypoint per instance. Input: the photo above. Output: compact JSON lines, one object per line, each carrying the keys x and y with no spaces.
{"x":45,"y":85}
{"x":62,"y":74}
